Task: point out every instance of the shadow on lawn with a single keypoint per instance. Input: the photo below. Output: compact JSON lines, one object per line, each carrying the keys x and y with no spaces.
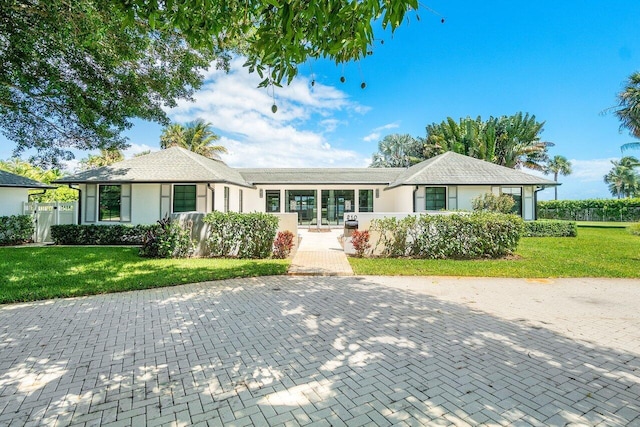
{"x":284,"y":349}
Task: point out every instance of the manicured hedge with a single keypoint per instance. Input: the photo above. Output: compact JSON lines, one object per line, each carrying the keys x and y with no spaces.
{"x":550,"y":228}
{"x":590,"y":210}
{"x":16,"y":229}
{"x":91,"y":234}
{"x":241,"y":235}
{"x":457,"y":236}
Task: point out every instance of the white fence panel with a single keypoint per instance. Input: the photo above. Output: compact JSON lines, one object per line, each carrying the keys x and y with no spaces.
{"x":47,"y":214}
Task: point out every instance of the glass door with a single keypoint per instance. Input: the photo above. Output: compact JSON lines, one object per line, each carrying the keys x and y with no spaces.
{"x":335,"y":203}
{"x":304,"y":203}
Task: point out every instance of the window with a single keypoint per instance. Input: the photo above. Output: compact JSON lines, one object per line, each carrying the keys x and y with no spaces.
{"x":516,"y":193}
{"x":109,"y":202}
{"x":365,"y":201}
{"x":273,"y":201}
{"x":436,"y":198}
{"x":184,"y":198}
{"x":226,"y":199}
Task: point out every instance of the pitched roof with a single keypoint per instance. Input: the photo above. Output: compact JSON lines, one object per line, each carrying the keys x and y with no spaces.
{"x":174,"y":164}
{"x":320,"y":175}
{"x":456,"y":169}
{"x":8,"y":179}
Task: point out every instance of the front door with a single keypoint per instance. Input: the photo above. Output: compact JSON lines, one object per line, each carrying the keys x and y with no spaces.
{"x":335,"y":203}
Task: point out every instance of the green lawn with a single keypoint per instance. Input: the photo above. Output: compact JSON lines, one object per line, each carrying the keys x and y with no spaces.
{"x":596,"y":252}
{"x":34,"y":273}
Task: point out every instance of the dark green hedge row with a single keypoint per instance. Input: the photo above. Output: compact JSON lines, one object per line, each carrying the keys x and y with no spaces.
{"x":91,"y":234}
{"x":590,"y":210}
{"x":16,"y":229}
{"x":478,"y":235}
{"x":241,"y":235}
{"x":550,"y":228}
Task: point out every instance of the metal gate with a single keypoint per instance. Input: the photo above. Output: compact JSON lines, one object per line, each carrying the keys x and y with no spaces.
{"x":47,"y":214}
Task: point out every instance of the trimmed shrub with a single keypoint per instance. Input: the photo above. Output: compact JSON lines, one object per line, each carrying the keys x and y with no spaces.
{"x":549,"y":228}
{"x":16,"y":229}
{"x":457,"y":236}
{"x":241,"y":235}
{"x":283,"y":244}
{"x":490,"y":202}
{"x":167,"y":239}
{"x":360,"y":242}
{"x":591,"y":209}
{"x":93,"y":234}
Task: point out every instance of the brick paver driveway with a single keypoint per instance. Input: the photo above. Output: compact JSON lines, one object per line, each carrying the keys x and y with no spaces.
{"x":321,"y":351}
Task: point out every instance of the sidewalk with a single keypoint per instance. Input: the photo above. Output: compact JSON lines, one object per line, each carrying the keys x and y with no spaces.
{"x":320,"y":254}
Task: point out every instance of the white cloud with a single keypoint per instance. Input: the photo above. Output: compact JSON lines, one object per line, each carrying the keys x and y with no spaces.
{"x":585,"y":182}
{"x":377,"y":132}
{"x":254,"y":136}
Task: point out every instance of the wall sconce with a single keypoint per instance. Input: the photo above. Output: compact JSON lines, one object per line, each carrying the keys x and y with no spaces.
{"x":261,"y":193}
{"x":377,"y":193}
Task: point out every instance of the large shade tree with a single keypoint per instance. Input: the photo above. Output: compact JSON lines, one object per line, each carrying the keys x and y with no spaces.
{"x":623,"y":179}
{"x":511,"y":141}
{"x":558,"y":165}
{"x":76,"y":72}
{"x":196,"y":136}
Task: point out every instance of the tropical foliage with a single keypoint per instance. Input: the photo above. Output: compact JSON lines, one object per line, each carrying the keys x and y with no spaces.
{"x":47,"y":176}
{"x":106,"y":157}
{"x":241,"y":235}
{"x":623,"y":179}
{"x":558,"y":165}
{"x":511,"y":141}
{"x":590,"y":209}
{"x":397,"y":151}
{"x":628,"y":108}
{"x":196,"y":136}
{"x":15,"y":229}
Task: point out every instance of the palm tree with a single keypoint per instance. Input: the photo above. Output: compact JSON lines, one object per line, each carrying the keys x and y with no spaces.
{"x":558,"y":165}
{"x":106,"y":157}
{"x":196,"y":136}
{"x":628,"y":109}
{"x":511,"y":141}
{"x":397,"y":151}
{"x":622,"y":179}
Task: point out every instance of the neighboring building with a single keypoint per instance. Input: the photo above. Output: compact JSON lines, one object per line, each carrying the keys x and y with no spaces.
{"x":146,"y":188}
{"x":14,"y":192}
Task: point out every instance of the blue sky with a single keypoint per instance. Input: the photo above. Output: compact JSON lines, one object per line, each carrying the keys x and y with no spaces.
{"x":562,"y":61}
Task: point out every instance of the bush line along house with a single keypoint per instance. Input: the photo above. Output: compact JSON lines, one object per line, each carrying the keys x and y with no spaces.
{"x":144,"y":189}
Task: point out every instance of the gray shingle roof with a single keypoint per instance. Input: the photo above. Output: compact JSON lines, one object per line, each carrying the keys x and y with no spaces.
{"x":456,"y":169}
{"x":320,"y":175}
{"x":174,"y":164}
{"x":8,"y":179}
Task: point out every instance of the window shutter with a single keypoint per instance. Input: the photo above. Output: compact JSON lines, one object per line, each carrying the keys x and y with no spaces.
{"x":165,"y":200}
{"x":201,"y":198}
{"x":90,"y":203}
{"x":125,"y":203}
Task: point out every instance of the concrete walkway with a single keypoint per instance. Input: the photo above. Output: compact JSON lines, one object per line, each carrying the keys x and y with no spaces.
{"x":320,"y":351}
{"x":320,"y":254}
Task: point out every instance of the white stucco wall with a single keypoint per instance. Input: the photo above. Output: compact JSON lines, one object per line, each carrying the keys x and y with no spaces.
{"x":11,"y":200}
{"x":466,"y":194}
{"x":145,"y":203}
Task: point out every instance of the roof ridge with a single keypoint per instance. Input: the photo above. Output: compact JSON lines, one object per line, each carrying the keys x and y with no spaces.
{"x":434,"y":160}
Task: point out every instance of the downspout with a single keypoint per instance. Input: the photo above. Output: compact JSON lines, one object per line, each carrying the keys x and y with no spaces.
{"x":535,"y":203}
{"x":35,"y":194}
{"x":415,"y":190}
{"x":79,"y":202}
{"x":213,"y":196}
